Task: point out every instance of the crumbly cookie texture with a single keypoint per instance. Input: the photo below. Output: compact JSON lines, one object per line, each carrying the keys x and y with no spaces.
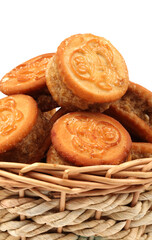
{"x":45,"y":102}
{"x":136,"y":103}
{"x":33,"y":147}
{"x":92,"y":68}
{"x":134,"y":111}
{"x":64,"y":96}
{"x":53,"y":157}
{"x":141,"y":150}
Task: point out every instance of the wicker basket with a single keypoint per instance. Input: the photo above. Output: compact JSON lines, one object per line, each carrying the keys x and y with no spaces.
{"x":44,"y":201}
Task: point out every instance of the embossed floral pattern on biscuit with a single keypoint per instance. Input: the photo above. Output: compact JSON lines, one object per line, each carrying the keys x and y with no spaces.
{"x":9,"y":116}
{"x":94,"y":62}
{"x":92,"y":136}
{"x":28,"y":71}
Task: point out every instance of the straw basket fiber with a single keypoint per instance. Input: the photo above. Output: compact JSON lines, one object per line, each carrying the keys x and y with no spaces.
{"x":55,"y":202}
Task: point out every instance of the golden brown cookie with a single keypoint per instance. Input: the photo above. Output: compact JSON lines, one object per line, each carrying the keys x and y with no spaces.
{"x":29,"y":78}
{"x":54,"y":158}
{"x":134,"y":111}
{"x":24,"y":131}
{"x":52,"y":155}
{"x":141,"y":150}
{"x":86,"y":70}
{"x":84,"y":138}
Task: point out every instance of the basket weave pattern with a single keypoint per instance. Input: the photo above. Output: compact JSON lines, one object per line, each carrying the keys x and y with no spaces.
{"x":45,"y":201}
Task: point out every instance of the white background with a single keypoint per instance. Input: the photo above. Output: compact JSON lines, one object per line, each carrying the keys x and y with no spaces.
{"x":29,"y":28}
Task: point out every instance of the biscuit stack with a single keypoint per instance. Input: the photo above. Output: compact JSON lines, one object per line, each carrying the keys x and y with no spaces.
{"x":102,"y":117}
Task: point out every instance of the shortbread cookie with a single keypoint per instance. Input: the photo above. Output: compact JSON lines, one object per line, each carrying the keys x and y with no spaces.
{"x":86,"y":70}
{"x":134,"y":111}
{"x":29,"y":78}
{"x":24,"y":131}
{"x":52,"y":155}
{"x":84,"y":138}
{"x":141,"y":150}
{"x":54,"y":158}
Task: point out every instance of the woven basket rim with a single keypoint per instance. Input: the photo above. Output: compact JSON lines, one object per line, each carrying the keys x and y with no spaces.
{"x":131,"y":176}
{"x":64,"y":183}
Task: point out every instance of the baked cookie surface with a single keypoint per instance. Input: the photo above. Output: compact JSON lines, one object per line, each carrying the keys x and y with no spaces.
{"x":16,"y":119}
{"x":24,"y":130}
{"x":26,"y":77}
{"x":85,"y":138}
{"x":89,"y":68}
{"x":92,"y":68}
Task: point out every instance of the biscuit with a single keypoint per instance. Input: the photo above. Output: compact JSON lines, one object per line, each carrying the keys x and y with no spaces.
{"x":54,"y":158}
{"x":134,"y":111}
{"x":141,"y":150}
{"x":24,"y":131}
{"x":29,"y":78}
{"x":52,"y":155}
{"x":86,"y":70}
{"x":84,"y":138}
{"x":45,"y":102}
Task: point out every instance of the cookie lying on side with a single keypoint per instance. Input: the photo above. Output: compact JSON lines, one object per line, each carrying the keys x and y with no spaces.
{"x":134,"y":111}
{"x":29,"y":78}
{"x":86,"y":72}
{"x":24,"y":131}
{"x":141,"y":150}
{"x":84,"y":138}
